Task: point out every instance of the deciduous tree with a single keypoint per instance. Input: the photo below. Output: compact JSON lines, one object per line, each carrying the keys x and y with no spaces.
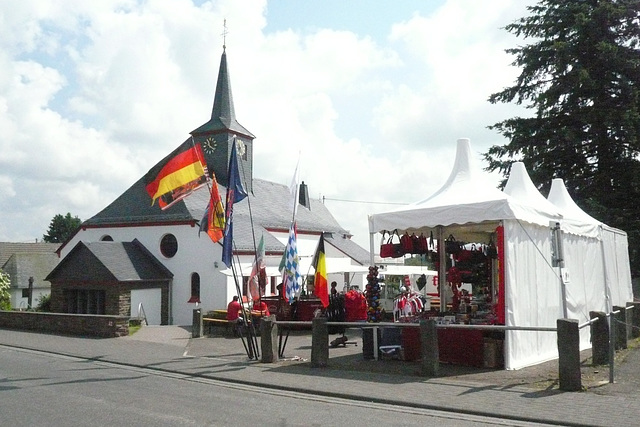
{"x":62,"y":228}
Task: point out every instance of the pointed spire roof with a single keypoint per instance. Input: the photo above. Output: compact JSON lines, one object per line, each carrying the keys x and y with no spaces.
{"x":559,"y":196}
{"x":223,"y":115}
{"x":520,"y":186}
{"x":464,"y":185}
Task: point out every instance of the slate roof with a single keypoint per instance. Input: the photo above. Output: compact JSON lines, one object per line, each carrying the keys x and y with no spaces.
{"x":22,"y":266}
{"x":350,"y":248}
{"x":9,"y":248}
{"x":110,"y":262}
{"x":269,"y":210}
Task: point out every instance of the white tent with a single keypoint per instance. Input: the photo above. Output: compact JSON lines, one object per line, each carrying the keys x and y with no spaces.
{"x":595,"y":257}
{"x":606,"y":266}
{"x":467,"y":208}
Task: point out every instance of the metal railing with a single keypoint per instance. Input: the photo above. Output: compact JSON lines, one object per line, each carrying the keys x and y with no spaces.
{"x":612,"y":337}
{"x":142,"y":315}
{"x":377,"y":325}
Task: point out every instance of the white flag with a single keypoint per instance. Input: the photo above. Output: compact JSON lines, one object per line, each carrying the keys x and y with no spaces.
{"x":258,"y":270}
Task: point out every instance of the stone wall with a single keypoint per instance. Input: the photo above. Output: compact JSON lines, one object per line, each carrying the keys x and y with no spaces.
{"x":117,"y":297}
{"x":66,"y":324}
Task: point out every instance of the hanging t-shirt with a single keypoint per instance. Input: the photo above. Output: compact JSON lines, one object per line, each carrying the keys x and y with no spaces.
{"x":355,"y":305}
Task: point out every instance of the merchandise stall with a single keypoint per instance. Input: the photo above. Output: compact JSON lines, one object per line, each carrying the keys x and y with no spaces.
{"x":517,"y":282}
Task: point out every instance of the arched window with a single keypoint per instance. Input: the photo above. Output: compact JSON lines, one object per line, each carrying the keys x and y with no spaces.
{"x":106,"y":238}
{"x":195,"y":288}
{"x":169,"y":245}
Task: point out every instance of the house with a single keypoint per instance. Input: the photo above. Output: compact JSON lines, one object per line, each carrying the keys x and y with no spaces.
{"x":27,"y":265}
{"x":188,"y":271}
{"x":109,"y":278}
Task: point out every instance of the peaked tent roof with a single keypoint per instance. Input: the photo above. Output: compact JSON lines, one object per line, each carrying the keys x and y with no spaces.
{"x":521,"y":187}
{"x":223,"y":115}
{"x":463,"y":199}
{"x":574,"y":218}
{"x":560,"y":197}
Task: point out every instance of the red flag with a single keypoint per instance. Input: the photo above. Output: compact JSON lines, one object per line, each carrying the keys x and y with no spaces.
{"x":180,"y":174}
{"x":320,"y":288}
{"x":213,"y":219}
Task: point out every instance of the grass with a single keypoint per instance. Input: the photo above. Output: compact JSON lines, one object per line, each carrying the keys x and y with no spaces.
{"x":134,"y":327}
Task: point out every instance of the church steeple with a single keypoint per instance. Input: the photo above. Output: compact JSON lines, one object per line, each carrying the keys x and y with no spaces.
{"x":219,"y":132}
{"x":223,"y":114}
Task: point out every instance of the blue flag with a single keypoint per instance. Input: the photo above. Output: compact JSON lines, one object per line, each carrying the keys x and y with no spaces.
{"x":235,"y":193}
{"x":290,"y":266}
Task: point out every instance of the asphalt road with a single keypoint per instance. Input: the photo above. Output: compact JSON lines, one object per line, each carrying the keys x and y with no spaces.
{"x":46,"y":389}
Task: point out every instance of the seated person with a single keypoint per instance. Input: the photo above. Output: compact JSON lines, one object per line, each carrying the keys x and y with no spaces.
{"x":234,"y":310}
{"x":260,"y":308}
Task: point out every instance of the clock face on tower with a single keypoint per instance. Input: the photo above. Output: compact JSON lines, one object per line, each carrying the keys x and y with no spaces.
{"x":209,"y":145}
{"x":241,"y":148}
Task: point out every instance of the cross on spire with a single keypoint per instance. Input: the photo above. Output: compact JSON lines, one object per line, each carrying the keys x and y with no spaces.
{"x":224,"y":35}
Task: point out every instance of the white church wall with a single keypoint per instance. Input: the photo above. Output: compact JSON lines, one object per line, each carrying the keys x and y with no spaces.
{"x":200,"y":255}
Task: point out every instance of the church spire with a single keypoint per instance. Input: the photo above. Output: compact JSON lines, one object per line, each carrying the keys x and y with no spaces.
{"x":217,"y":135}
{"x":223,"y":115}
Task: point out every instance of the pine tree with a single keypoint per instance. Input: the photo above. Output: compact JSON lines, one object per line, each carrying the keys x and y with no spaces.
{"x":580,"y":76}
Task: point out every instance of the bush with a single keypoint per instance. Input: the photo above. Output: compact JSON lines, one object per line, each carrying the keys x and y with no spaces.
{"x":5,"y":296}
{"x":44,"y":303}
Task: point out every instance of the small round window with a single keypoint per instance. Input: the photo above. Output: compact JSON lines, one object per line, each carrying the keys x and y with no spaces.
{"x":169,"y":245}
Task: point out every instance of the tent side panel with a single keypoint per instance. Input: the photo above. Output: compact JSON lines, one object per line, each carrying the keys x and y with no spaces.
{"x":617,"y":266}
{"x":533,"y":296}
{"x":585,"y":282}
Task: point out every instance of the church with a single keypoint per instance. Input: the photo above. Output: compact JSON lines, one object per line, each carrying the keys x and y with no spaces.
{"x":135,"y":258}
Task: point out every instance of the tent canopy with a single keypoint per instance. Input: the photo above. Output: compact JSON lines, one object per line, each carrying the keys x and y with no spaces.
{"x":464,"y":200}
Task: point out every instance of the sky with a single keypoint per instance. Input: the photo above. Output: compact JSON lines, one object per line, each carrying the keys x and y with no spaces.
{"x":370,"y":95}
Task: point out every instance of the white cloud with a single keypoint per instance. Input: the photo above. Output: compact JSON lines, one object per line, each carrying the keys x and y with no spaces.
{"x":92,"y":94}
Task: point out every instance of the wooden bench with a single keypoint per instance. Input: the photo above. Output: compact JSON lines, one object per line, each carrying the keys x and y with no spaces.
{"x":209,"y":323}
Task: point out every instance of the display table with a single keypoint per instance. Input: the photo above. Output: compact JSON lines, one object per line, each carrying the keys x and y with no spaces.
{"x":461,"y":347}
{"x":456,"y":346}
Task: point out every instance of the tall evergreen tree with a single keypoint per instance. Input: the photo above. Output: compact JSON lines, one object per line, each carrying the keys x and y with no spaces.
{"x":581,"y":77}
{"x":62,"y":228}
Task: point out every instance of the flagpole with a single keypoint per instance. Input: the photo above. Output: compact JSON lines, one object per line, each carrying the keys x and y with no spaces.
{"x":252,"y":337}
{"x":249,"y":346}
{"x":235,"y":194}
{"x":293,"y":188}
{"x":296,"y":176}
{"x":253,"y":231}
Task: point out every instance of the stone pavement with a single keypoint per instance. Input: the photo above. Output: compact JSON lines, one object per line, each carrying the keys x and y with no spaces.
{"x":528,"y":394}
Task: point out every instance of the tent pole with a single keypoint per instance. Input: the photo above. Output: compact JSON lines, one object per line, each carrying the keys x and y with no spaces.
{"x":371,"y":253}
{"x":442,"y":269}
{"x":560,"y":258}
